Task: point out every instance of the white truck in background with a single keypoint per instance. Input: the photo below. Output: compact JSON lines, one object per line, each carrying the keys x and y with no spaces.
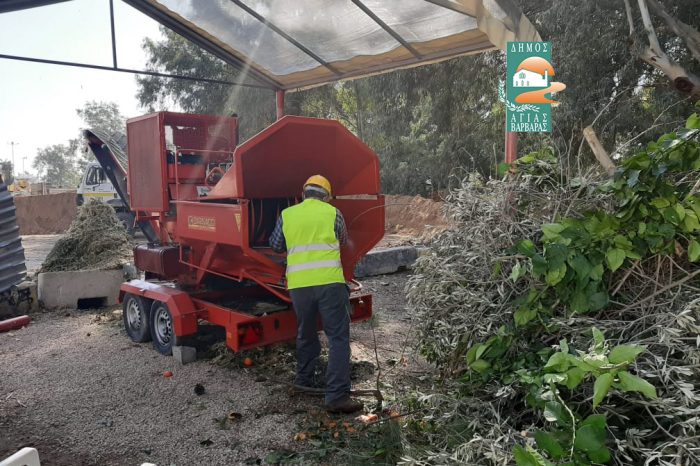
{"x":94,"y":184}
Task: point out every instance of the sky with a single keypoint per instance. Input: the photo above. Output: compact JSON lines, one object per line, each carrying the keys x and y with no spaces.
{"x":38,"y":101}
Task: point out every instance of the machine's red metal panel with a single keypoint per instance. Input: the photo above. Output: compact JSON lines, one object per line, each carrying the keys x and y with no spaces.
{"x":148,"y":189}
{"x":217,"y":223}
{"x":276,"y":162}
{"x":364,"y":220}
{"x":168,"y":148}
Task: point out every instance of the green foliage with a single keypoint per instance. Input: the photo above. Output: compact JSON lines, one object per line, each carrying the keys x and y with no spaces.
{"x":104,"y":116}
{"x":569,"y":272}
{"x":655,"y":214}
{"x":570,"y":439}
{"x":57,"y":164}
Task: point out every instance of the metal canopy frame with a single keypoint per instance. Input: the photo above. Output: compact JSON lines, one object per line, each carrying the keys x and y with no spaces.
{"x":16,"y":5}
{"x":254,"y":75}
{"x":242,"y":63}
{"x":7,"y":6}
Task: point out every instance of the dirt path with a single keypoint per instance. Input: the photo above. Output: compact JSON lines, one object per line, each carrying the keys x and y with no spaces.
{"x":75,"y":387}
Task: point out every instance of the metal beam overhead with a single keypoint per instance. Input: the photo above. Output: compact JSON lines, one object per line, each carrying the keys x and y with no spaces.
{"x":129,"y":70}
{"x":114,"y":40}
{"x":15,"y":5}
{"x":387,"y":28}
{"x":286,"y":36}
{"x":451,"y":6}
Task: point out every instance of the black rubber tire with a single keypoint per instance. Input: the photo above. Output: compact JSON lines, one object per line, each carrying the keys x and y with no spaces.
{"x":127,"y":219}
{"x":136,"y":312}
{"x":162,"y":328}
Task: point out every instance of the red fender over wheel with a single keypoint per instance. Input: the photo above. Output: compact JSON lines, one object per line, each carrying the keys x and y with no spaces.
{"x":179,"y":303}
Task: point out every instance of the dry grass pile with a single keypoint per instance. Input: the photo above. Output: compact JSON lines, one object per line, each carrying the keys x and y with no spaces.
{"x":96,"y":240}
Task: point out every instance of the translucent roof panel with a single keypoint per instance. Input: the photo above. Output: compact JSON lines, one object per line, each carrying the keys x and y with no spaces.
{"x":233,"y":26}
{"x":293,"y":44}
{"x":421,"y":21}
{"x":335,"y":30}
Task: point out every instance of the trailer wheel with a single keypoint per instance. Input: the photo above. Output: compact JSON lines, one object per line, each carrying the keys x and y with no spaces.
{"x":135,"y":313}
{"x":162,"y":328}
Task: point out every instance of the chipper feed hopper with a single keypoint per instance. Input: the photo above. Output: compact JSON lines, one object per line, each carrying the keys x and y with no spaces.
{"x":213,"y":205}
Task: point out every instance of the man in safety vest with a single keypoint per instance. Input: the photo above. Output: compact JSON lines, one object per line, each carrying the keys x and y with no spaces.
{"x":312,"y":233}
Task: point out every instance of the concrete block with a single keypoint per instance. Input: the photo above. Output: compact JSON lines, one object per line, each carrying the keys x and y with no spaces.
{"x":384,"y":261}
{"x":185,"y":354}
{"x":28,"y":296}
{"x":80,"y":289}
{"x":25,"y":457}
{"x":20,"y":299}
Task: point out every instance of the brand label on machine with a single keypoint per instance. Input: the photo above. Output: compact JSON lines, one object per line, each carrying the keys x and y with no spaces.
{"x":195,"y":222}
{"x":238,"y":221}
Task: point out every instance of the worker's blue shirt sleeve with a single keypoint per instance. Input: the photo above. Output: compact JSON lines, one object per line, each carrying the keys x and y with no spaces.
{"x":277,"y":241}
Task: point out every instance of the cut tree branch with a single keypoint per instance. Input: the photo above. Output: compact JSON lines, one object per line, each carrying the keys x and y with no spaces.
{"x":630,"y":20}
{"x":688,"y":33}
{"x":598,"y":150}
{"x":653,"y":54}
{"x":662,"y":290}
{"x":649,"y":28}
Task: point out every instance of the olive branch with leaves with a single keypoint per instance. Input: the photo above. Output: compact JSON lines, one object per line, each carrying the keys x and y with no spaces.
{"x":510,"y":105}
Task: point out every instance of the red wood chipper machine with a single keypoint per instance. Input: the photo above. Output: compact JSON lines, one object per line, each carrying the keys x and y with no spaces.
{"x":210,"y":206}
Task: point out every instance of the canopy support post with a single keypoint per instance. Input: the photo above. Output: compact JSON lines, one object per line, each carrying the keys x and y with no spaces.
{"x":511,"y":147}
{"x":114,"y":40}
{"x":280,"y":103}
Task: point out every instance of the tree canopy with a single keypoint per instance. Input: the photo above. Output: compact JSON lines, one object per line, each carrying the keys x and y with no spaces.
{"x":62,"y":165}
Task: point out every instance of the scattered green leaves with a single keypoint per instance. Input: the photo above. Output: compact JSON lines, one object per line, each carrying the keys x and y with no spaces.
{"x":632,"y":383}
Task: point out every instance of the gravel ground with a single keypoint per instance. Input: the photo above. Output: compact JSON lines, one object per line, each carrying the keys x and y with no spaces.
{"x":76,"y":388}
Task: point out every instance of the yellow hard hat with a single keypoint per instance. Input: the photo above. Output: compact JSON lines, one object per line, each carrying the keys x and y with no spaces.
{"x":319,"y":180}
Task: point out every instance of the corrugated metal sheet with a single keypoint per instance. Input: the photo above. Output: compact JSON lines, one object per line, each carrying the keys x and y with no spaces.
{"x":12,"y":266}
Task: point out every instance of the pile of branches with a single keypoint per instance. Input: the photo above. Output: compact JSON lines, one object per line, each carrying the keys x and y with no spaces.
{"x":95,"y":240}
{"x":540,"y":367}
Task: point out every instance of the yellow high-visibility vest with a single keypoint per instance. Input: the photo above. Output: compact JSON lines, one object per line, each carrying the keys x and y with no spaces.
{"x":313,"y":251}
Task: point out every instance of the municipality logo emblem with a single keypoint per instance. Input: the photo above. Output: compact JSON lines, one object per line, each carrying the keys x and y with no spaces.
{"x":528,"y":87}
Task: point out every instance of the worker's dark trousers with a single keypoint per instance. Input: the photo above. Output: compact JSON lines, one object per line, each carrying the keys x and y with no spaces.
{"x":333,"y":304}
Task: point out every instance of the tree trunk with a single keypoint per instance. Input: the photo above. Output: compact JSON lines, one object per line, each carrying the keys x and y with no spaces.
{"x":598,"y":150}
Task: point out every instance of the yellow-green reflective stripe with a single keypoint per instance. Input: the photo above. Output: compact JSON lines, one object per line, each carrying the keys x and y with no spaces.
{"x":313,"y":265}
{"x":314,"y":247}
